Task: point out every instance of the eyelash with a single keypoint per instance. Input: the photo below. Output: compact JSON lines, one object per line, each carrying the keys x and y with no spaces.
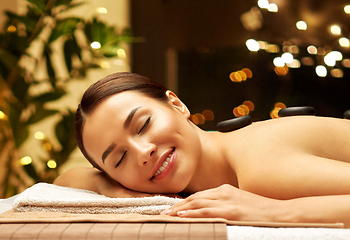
{"x":145,"y":125}
{"x":121,"y":159}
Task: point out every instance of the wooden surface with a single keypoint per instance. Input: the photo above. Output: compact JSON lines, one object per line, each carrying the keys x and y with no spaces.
{"x":97,"y":231}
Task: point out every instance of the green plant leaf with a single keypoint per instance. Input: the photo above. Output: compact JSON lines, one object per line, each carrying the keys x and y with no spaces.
{"x":20,"y":89}
{"x":62,"y":2}
{"x":49,"y":96}
{"x":65,"y":135}
{"x":49,"y":68}
{"x":30,"y":170}
{"x":40,"y":4}
{"x":21,"y":135}
{"x":63,"y":27}
{"x":71,"y":48}
{"x":40,"y":114}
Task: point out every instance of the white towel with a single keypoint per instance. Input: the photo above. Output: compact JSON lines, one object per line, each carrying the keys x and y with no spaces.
{"x":43,"y":197}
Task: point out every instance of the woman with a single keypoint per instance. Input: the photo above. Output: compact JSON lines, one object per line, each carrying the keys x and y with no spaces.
{"x":139,"y":138}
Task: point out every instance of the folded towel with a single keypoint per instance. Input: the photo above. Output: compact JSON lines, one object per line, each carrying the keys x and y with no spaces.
{"x":43,"y":197}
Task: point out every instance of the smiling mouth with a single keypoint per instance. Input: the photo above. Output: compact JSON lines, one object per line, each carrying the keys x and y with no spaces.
{"x":165,"y":164}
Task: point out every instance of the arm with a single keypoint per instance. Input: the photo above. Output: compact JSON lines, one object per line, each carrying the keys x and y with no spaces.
{"x":97,"y":181}
{"x":231,"y":203}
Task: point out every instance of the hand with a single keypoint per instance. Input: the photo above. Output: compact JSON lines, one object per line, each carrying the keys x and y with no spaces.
{"x":226,"y":202}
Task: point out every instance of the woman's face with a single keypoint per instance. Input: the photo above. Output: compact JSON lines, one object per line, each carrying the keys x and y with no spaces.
{"x":145,"y":144}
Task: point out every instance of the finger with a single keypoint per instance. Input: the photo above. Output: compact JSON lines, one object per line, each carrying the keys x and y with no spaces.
{"x":192,"y":205}
{"x":209,"y":212}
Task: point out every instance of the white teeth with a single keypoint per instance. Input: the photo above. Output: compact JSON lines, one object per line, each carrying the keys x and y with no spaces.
{"x":165,"y":164}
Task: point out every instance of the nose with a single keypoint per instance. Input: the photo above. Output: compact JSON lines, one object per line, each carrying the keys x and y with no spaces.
{"x":144,"y":151}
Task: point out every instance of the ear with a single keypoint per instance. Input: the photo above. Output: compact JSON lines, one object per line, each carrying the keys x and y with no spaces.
{"x":175,"y":102}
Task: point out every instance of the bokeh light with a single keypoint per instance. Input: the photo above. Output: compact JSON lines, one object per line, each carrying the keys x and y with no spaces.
{"x":208,"y":115}
{"x":312,"y":49}
{"x":252,"y":45}
{"x":344,"y":42}
{"x":101,"y":10}
{"x":39,"y":135}
{"x":26,"y":160}
{"x":11,"y":28}
{"x":96,"y":45}
{"x":335,"y":30}
{"x":337,"y":73}
{"x":272,"y":7}
{"x":301,"y":25}
{"x":51,"y":164}
{"x":321,"y":71}
{"x":347,"y":9}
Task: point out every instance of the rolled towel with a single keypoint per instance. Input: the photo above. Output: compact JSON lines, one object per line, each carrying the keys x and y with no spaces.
{"x":43,"y":197}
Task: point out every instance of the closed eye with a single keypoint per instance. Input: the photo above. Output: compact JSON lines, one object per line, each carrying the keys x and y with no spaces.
{"x":121,"y":159}
{"x":145,"y":125}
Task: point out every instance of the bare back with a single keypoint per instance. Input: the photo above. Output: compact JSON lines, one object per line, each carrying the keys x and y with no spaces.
{"x":293,"y":157}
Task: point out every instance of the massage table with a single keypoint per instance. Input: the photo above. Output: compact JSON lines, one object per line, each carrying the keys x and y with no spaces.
{"x":59,"y":225}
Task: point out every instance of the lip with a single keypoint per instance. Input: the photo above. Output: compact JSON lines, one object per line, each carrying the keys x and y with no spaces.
{"x":160,"y":163}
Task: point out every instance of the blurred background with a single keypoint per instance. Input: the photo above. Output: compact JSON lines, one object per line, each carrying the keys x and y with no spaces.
{"x":224,"y":59}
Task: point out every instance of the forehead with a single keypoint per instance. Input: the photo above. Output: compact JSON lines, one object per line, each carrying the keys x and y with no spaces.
{"x":107,"y":120}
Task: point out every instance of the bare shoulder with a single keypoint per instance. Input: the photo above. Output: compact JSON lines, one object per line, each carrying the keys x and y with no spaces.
{"x":296,"y":156}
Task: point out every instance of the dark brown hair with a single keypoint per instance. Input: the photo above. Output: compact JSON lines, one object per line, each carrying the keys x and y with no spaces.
{"x":106,"y":87}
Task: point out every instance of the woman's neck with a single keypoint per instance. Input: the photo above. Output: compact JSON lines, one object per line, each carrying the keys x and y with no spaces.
{"x":215,"y":167}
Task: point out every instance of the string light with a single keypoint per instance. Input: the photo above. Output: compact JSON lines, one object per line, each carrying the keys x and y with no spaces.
{"x":26,"y":160}
{"x":347,"y":9}
{"x":263,"y":4}
{"x":321,"y":71}
{"x":39,"y":135}
{"x":51,"y":164}
{"x":287,"y":57}
{"x":335,"y":29}
{"x":301,"y":25}
{"x":2,"y":115}
{"x":344,"y":42}
{"x":252,"y":45}
{"x":278,"y":62}
{"x":272,"y":7}
{"x":312,"y":49}
{"x":101,"y":10}
{"x":96,"y":45}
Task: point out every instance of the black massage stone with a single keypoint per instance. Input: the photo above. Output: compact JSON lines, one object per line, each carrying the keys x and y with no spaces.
{"x":234,"y":124}
{"x":347,"y":114}
{"x":296,"y":111}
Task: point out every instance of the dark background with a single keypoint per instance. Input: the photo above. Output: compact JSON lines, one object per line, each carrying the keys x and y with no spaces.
{"x":208,"y":38}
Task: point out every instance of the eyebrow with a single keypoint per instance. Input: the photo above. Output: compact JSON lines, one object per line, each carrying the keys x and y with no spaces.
{"x":126,"y":125}
{"x":130,"y":116}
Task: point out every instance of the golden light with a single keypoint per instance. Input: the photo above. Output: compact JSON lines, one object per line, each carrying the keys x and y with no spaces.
{"x":96,"y":45}
{"x":2,"y":115}
{"x":47,"y":146}
{"x":335,"y":30}
{"x":280,"y":105}
{"x":347,"y":9}
{"x":337,"y":73}
{"x":243,"y":75}
{"x":344,"y":42}
{"x":51,"y":164}
{"x":263,"y":4}
{"x":321,"y":71}
{"x":252,"y":45}
{"x":248,"y":72}
{"x":194,"y":119}
{"x":208,"y":115}
{"x":11,"y":28}
{"x":272,"y":7}
{"x":278,"y":62}
{"x":321,"y":51}
{"x":312,"y":49}
{"x":331,"y":58}
{"x":301,"y":25}
{"x":239,"y":111}
{"x":200,"y":118}
{"x":346,"y":63}
{"x":281,"y":70}
{"x":263,"y":45}
{"x":273,"y":48}
{"x":39,"y":135}
{"x":294,"y":49}
{"x":294,"y":64}
{"x":308,"y":61}
{"x":287,"y":57}
{"x":105,"y":64}
{"x":26,"y":160}
{"x":249,"y":104}
{"x":101,"y":10}
{"x":245,"y":108}
{"x":235,"y":77}
{"x":121,"y":53}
